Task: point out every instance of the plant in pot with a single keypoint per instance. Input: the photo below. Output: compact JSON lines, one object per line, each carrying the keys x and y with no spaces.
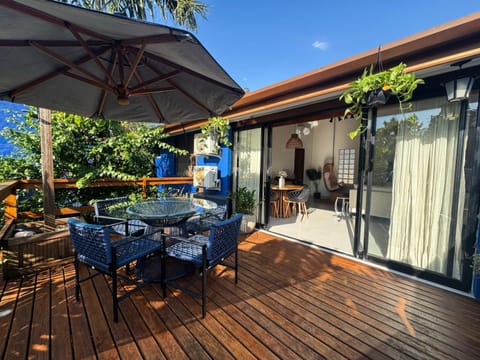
{"x":375,"y":88}
{"x":315,"y":176}
{"x":215,"y":133}
{"x":244,"y":202}
{"x":476,"y":271}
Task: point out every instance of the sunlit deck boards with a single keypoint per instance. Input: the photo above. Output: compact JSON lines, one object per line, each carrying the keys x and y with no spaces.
{"x":291,"y":302}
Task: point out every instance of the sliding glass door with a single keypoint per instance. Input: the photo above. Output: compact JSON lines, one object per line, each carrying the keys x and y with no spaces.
{"x":418,"y":187}
{"x":248,"y":162}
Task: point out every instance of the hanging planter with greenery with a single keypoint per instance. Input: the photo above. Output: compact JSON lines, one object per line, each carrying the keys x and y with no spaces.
{"x":375,"y":88}
{"x":216,"y":130}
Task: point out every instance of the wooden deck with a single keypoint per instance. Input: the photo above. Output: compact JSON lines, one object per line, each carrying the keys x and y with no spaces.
{"x":291,"y":302}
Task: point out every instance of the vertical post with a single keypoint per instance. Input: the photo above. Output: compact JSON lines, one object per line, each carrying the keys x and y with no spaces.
{"x":360,"y":180}
{"x":368,"y":199}
{"x":45,"y":117}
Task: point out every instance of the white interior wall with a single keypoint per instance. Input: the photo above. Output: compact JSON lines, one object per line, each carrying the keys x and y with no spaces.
{"x":321,"y":145}
{"x":282,"y":158}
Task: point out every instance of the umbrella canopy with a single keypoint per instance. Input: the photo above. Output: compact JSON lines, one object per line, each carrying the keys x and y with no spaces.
{"x":86,"y":62}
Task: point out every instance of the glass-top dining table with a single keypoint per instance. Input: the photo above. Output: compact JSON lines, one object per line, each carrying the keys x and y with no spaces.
{"x":160,"y":215}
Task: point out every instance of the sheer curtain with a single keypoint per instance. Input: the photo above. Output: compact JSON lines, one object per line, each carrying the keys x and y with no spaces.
{"x":423,"y":187}
{"x":249,"y":155}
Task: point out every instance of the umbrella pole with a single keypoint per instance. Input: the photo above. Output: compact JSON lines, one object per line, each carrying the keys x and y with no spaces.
{"x":45,"y":116}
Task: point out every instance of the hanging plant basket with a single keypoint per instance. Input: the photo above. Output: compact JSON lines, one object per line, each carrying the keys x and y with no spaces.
{"x":372,"y":89}
{"x":377,"y":97}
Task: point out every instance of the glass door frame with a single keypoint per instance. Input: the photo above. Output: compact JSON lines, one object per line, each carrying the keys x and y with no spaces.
{"x":366,"y":160}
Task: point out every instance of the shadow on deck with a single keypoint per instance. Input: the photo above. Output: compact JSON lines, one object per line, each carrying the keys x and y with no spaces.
{"x":291,"y":301}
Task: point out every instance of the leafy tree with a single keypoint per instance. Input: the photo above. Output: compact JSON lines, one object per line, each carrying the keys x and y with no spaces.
{"x":182,"y":12}
{"x":84,"y":149}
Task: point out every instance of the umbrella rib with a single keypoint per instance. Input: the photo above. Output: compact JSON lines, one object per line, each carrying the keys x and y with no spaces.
{"x":103,"y":97}
{"x":67,"y":62}
{"x":88,"y":81}
{"x":51,"y":75}
{"x":88,"y":49}
{"x":46,"y":17}
{"x":51,"y":43}
{"x":193,"y":99}
{"x":193,"y":73}
{"x":154,"y":39}
{"x":159,"y":78}
{"x":152,"y":90}
{"x":154,"y":105}
{"x":133,"y":67}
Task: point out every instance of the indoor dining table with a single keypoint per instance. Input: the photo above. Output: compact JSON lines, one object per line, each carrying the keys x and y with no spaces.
{"x":167,"y":215}
{"x":282,"y":198}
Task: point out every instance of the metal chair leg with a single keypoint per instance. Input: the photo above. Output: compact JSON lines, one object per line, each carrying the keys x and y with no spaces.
{"x":114,"y":296}
{"x":77,"y":279}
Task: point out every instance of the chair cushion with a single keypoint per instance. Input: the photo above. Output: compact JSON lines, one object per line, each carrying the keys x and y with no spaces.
{"x":188,"y":250}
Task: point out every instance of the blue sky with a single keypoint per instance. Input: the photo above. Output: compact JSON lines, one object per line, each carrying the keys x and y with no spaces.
{"x":263,"y":42}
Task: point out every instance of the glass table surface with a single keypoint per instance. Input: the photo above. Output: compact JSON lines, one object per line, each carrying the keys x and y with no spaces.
{"x":162,"y":212}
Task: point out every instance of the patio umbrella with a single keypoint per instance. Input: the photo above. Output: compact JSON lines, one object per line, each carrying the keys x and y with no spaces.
{"x":94,"y":64}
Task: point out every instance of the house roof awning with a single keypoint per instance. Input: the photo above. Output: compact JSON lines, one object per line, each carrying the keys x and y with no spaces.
{"x":427,"y":53}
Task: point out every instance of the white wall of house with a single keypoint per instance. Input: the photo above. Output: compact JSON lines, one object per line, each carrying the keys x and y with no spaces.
{"x":321,"y":145}
{"x":282,"y":158}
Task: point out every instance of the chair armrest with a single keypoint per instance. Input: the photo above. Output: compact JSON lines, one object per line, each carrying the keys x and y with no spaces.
{"x":130,"y":248}
{"x":108,"y":220}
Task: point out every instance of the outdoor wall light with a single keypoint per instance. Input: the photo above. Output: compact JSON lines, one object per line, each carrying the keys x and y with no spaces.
{"x":459,"y":89}
{"x":294,"y":142}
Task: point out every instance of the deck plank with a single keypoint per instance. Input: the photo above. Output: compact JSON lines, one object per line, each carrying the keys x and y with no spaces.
{"x":61,"y":333}
{"x":19,"y":335}
{"x":10,"y":294}
{"x":82,"y":341}
{"x":40,"y":327}
{"x":291,"y":302}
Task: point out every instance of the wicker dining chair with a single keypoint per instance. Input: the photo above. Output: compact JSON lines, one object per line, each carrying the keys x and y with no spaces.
{"x":205,"y":252}
{"x":132,"y":227}
{"x":94,"y":247}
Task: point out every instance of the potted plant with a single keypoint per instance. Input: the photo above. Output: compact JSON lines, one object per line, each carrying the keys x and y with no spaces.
{"x":215,"y":133}
{"x":244,"y":202}
{"x":375,"y":88}
{"x":315,"y":176}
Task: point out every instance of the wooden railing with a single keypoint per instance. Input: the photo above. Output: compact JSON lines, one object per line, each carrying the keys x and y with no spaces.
{"x":8,"y":191}
{"x":19,"y":255}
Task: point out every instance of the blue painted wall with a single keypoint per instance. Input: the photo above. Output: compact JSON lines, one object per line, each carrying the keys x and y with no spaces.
{"x":165,"y":166}
{"x":224,"y":164}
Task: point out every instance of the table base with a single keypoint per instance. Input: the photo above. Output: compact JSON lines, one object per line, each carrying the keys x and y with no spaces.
{"x":149,"y":269}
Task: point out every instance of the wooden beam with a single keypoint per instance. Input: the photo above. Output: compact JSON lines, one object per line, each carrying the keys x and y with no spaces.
{"x":45,"y":116}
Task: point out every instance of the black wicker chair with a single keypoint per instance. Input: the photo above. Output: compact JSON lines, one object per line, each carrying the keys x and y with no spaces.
{"x":93,"y":246}
{"x":205,"y":252}
{"x":201,"y":223}
{"x":132,"y":227}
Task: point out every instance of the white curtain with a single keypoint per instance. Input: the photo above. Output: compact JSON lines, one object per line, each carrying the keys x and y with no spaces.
{"x":423,"y":187}
{"x":249,"y":159}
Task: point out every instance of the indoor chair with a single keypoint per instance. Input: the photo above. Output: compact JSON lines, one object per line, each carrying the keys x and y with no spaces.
{"x":94,"y":246}
{"x":298,"y":198}
{"x":334,"y":187}
{"x":275,"y":203}
{"x":205,"y":252}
